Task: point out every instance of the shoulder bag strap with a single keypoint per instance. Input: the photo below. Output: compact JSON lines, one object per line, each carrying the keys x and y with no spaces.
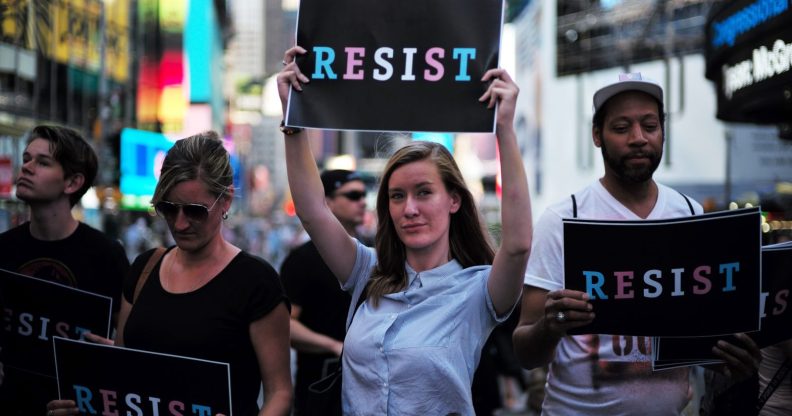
{"x":692,"y":211}
{"x":773,"y":384}
{"x":574,"y":206}
{"x":152,"y":261}
{"x":327,"y":382}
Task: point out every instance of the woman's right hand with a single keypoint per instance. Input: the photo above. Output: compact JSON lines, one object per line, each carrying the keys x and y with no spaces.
{"x":69,"y":407}
{"x":290,"y":76}
{"x":62,"y":408}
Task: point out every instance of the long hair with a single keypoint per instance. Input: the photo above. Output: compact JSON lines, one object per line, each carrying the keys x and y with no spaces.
{"x":468,"y":240}
{"x":197,"y":157}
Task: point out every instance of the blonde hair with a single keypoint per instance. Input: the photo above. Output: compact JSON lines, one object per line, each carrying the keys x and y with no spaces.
{"x":202,"y":157}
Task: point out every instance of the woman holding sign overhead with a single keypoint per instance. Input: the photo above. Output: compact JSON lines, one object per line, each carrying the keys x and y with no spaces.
{"x":206,"y":298}
{"x":433,"y":288}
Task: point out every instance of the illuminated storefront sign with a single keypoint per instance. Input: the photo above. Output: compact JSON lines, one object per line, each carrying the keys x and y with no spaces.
{"x":765,"y":63}
{"x":749,"y":57}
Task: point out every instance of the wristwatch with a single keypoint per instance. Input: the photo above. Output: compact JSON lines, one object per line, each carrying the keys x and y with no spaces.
{"x":289,"y":130}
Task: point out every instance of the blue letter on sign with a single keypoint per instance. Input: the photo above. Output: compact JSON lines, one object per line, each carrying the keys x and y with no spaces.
{"x":591,"y":286}
{"x":324,"y":57}
{"x":463,"y":54}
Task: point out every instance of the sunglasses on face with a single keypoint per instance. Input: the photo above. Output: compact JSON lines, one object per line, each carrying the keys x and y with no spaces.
{"x":193,"y":212}
{"x":352,"y":195}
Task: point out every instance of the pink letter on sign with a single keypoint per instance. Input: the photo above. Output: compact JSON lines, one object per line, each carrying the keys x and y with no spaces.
{"x":431,"y":61}
{"x":781,"y":301}
{"x":621,"y":283}
{"x":109,"y":400}
{"x":353,"y":61}
{"x":700,"y":274}
{"x":173,"y":408}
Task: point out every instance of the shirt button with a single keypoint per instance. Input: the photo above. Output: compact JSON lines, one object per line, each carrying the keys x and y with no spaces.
{"x":382,"y":349}
{"x":393,"y":316}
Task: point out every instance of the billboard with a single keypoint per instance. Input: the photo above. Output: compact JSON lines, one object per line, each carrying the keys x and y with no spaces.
{"x":748,"y":59}
{"x":142,"y":153}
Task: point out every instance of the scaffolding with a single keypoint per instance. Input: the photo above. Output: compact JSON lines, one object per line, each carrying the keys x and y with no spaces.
{"x":592,"y":34}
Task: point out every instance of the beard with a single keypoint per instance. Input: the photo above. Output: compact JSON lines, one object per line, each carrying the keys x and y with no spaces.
{"x":630,"y":174}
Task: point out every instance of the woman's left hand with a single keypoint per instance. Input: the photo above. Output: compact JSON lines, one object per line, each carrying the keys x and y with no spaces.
{"x":62,"y":408}
{"x":96,"y":339}
{"x":503,"y":91}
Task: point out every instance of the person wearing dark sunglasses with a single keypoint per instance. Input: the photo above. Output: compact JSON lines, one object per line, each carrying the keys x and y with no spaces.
{"x":319,"y":306}
{"x":206,"y":298}
{"x":193,"y":212}
{"x":58,"y":167}
{"x":433,"y":288}
{"x":352,"y":195}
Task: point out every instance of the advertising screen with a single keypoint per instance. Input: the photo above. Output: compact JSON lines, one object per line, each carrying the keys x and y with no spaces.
{"x":142,"y":153}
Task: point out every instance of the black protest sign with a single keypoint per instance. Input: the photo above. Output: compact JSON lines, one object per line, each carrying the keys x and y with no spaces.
{"x":691,"y":276}
{"x":776,"y":322}
{"x":112,"y":380}
{"x":396,"y":65}
{"x":777,"y":283}
{"x":34,"y":310}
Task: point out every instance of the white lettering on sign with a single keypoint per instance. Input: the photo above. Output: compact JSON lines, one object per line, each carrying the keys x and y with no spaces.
{"x":765,"y":64}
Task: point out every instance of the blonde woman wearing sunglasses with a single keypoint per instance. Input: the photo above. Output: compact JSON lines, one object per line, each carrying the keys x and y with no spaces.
{"x":207,"y":298}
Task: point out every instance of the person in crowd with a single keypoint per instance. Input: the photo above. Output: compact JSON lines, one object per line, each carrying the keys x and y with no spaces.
{"x":587,"y":375}
{"x":205,"y":298}
{"x":58,"y":168}
{"x":432,"y":288}
{"x":319,"y":306}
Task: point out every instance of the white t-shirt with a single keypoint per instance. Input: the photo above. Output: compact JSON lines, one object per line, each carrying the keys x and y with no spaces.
{"x":780,"y":402}
{"x":603,"y":374}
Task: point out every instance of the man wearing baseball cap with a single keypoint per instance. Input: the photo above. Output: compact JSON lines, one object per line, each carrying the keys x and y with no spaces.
{"x":319,"y":306}
{"x":591,"y":374}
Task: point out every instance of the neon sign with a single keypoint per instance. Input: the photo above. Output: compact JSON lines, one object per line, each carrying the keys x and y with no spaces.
{"x":727,"y":30}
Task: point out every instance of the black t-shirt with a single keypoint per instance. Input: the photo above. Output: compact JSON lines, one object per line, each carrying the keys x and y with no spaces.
{"x":312,"y":286}
{"x":88,"y":260}
{"x":211,"y":322}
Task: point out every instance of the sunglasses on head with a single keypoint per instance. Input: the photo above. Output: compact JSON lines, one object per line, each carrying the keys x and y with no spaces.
{"x":352,"y":195}
{"x":193,"y":212}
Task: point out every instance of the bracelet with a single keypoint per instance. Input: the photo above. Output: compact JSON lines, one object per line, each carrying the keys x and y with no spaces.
{"x":289,"y":130}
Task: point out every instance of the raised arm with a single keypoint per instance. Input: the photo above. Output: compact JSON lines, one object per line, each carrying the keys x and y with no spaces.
{"x":508,"y":268}
{"x":336,"y":247}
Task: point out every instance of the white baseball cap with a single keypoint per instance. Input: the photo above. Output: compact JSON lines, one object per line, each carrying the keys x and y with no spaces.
{"x":628,"y":82}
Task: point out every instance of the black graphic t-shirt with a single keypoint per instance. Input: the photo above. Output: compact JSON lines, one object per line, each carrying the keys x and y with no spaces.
{"x":87,"y":260}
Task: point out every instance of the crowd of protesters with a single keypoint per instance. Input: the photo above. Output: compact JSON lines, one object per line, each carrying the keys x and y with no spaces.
{"x":406,"y":323}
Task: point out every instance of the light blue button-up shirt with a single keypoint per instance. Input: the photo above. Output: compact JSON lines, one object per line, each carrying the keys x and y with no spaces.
{"x":415,"y":354}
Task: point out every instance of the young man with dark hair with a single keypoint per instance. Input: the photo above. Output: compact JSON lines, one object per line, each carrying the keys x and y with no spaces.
{"x":58,"y":167}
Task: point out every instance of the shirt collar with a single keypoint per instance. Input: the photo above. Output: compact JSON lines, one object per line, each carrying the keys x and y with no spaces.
{"x":432,"y":275}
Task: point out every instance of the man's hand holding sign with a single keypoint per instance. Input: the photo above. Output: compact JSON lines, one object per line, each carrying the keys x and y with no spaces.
{"x":647,"y":292}
{"x":646,"y":281}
